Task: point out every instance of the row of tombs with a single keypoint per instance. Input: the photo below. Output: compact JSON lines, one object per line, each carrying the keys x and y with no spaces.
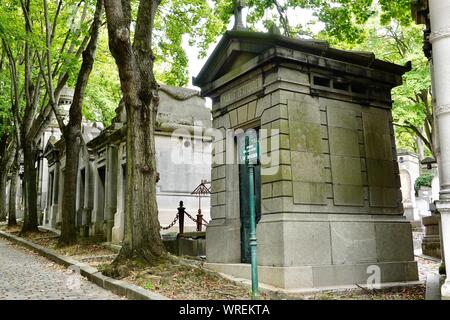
{"x":101,"y":181}
{"x":327,"y":186}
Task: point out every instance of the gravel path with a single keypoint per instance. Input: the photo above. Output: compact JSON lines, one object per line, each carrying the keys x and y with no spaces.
{"x":426,"y":267}
{"x":26,"y":276}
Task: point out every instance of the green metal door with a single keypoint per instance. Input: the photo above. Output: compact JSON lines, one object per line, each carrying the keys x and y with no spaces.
{"x":243,"y":196}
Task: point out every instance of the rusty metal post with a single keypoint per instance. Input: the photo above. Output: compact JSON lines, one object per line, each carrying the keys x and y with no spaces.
{"x":199,"y":220}
{"x":181,"y":217}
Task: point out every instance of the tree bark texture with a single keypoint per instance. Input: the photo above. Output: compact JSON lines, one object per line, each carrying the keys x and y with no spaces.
{"x":13,"y":193}
{"x":139,"y":89}
{"x":72,"y":135}
{"x":3,"y":207}
{"x":30,"y":217}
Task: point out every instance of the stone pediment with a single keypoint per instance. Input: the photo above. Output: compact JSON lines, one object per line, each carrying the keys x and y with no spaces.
{"x":178,"y":93}
{"x":236,"y":49}
{"x":177,"y":107}
{"x":50,"y":145}
{"x":52,"y":150}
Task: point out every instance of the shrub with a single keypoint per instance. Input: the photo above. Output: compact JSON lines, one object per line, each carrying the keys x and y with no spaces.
{"x":423,"y":181}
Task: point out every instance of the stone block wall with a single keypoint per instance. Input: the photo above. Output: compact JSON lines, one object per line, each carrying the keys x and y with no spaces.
{"x":334,"y":199}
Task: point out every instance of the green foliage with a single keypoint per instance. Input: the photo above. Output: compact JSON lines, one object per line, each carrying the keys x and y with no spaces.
{"x":399,"y":10}
{"x":423,"y":181}
{"x":343,"y":20}
{"x":103,"y":90}
{"x":381,"y":26}
{"x":149,"y":285}
{"x":178,"y":22}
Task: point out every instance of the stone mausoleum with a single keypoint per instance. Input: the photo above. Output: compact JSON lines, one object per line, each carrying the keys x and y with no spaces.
{"x":329,"y":210}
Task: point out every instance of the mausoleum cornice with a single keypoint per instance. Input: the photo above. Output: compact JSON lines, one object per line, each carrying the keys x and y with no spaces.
{"x":239,"y":52}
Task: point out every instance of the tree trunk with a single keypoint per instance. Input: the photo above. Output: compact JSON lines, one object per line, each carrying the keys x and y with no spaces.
{"x":139,"y":89}
{"x":3,"y":208}
{"x":420,"y":149}
{"x":72,"y":135}
{"x":143,"y":237}
{"x":30,"y":217}
{"x":5,"y":163}
{"x":12,"y":194}
{"x":68,"y":213}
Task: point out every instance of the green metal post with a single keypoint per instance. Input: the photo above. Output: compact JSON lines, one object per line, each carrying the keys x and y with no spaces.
{"x":253,"y":243}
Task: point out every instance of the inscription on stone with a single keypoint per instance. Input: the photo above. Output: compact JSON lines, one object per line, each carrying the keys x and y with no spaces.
{"x":244,"y":90}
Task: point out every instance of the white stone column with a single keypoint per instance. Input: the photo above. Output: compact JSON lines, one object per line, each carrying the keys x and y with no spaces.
{"x":440,"y":40}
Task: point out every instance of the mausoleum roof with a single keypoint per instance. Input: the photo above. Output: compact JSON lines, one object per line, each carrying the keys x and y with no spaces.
{"x":179,"y":93}
{"x":256,"y":43}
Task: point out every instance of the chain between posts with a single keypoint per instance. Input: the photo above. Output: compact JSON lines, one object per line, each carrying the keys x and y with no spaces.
{"x":172,"y":223}
{"x":177,"y":216}
{"x":195,"y":220}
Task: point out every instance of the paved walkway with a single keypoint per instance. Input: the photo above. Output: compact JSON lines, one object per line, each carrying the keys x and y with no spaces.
{"x":25,"y":275}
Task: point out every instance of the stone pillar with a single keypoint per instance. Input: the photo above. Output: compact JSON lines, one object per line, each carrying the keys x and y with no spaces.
{"x":55,"y":195}
{"x":117,"y":233}
{"x":111,"y":189}
{"x":89,"y":196}
{"x":61,"y":174}
{"x":431,"y":243}
{"x":99,"y":200}
{"x":440,"y":40}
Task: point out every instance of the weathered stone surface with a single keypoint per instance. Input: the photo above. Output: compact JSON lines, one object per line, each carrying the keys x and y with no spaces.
{"x":262,"y":104}
{"x":282,"y":188}
{"x":343,"y":142}
{"x":218,"y":185}
{"x":431,"y":242}
{"x":353,"y":242}
{"x":306,"y":243}
{"x":308,"y":167}
{"x":282,"y":125}
{"x":266,"y":190}
{"x":384,"y":197}
{"x":381,"y":173}
{"x":305,"y":137}
{"x":218,"y":212}
{"x":293,"y":75}
{"x":394,"y":241}
{"x":346,"y":170}
{"x":304,"y":109}
{"x":348,"y":195}
{"x":242,"y":113}
{"x":233,"y":118}
{"x":278,"y":173}
{"x":279,"y":111}
{"x":377,"y":137}
{"x":309,"y":192}
{"x":251,"y":109}
{"x":272,"y":205}
{"x":340,"y":117}
{"x":383,"y":187}
{"x":223,"y":243}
